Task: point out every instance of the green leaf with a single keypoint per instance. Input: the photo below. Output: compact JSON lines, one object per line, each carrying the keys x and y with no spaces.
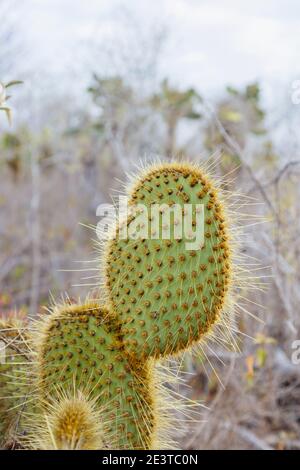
{"x":193,"y":115}
{"x":230,"y":115}
{"x":261,"y":357}
{"x":232,"y":91}
{"x":13,"y":82}
{"x":8,"y":113}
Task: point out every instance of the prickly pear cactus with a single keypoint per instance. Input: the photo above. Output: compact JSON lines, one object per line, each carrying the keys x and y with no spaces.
{"x":80,"y":347}
{"x":94,"y":365}
{"x":167,"y":296}
{"x":13,"y":383}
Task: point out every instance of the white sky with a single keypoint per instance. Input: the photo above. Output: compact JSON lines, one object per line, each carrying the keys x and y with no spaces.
{"x":211,"y":43}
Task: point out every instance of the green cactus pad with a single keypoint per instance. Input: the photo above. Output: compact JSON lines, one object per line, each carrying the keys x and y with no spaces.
{"x":80,"y":348}
{"x":167,"y":296}
{"x":13,"y":379}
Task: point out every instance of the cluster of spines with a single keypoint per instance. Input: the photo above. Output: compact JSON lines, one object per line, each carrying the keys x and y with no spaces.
{"x":67,"y":421}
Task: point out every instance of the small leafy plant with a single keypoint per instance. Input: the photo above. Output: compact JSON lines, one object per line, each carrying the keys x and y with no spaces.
{"x":4,"y":97}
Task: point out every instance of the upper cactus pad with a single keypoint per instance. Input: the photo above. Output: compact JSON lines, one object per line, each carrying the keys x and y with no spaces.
{"x":167,"y":295}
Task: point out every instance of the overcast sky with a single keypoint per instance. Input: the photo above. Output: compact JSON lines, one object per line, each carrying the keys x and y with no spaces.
{"x":211,"y":43}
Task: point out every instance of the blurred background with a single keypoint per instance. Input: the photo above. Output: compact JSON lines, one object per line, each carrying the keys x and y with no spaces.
{"x":108,"y":84}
